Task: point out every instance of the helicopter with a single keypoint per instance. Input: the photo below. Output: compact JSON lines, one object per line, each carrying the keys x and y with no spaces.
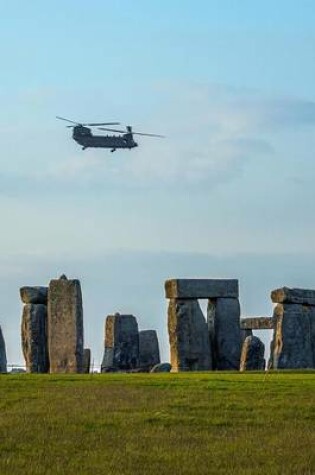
{"x":83,"y":135}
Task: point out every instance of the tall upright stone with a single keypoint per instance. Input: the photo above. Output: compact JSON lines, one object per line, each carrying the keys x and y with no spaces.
{"x":121,"y":350}
{"x":65,"y":326}
{"x":34,"y":338}
{"x":188,"y":336}
{"x":252,"y":356}
{"x":3,"y":355}
{"x":149,"y":353}
{"x":227,"y":334}
{"x":291,"y":347}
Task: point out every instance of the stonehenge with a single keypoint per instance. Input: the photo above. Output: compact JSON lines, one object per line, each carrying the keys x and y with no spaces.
{"x":149,"y":353}
{"x":52,"y":331}
{"x":230,"y":338}
{"x":293,"y":343}
{"x":188,"y":334}
{"x":3,"y":355}
{"x":34,"y":337}
{"x":65,"y":326}
{"x":252,"y":356}
{"x":127,"y":349}
{"x":121,"y":348}
{"x":52,"y":327}
{"x":194,"y":343}
{"x":34,"y":329}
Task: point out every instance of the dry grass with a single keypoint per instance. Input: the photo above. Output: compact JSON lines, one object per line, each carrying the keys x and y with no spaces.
{"x":196,"y":423}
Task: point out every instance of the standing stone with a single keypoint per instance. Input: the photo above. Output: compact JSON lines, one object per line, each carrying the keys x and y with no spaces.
{"x":252,"y":356}
{"x":3,"y":355}
{"x":227,"y":335}
{"x":121,"y":343}
{"x":34,"y":338}
{"x":86,"y":360}
{"x":65,"y":326}
{"x":34,"y":295}
{"x":291,"y":345}
{"x":245,"y":334}
{"x":149,"y":353}
{"x":188,"y":336}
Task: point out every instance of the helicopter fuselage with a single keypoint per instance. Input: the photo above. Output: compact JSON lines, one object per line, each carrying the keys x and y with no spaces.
{"x":84,"y":137}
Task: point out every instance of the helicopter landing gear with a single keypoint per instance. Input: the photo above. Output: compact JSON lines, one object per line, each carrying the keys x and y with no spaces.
{"x":113,"y":150}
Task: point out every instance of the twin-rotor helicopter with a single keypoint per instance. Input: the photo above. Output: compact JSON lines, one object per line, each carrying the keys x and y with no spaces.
{"x":83,"y":135}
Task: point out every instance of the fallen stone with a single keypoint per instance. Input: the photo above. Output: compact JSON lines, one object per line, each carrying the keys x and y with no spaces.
{"x":297,"y":296}
{"x":121,"y":343}
{"x":86,"y":360}
{"x":65,"y":326}
{"x":3,"y":355}
{"x":257,"y":323}
{"x":227,"y":334}
{"x":34,"y":338}
{"x":161,"y":368}
{"x":252,"y":356}
{"x":188,"y":336}
{"x":36,"y":295}
{"x":291,"y":345}
{"x":201,"y":288}
{"x":149,"y":353}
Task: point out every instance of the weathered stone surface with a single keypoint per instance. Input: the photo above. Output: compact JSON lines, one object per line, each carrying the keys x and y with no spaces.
{"x":245,"y":334}
{"x":121,"y":343}
{"x":34,"y":295}
{"x":298,"y":296}
{"x":86,"y":360}
{"x":252,"y":356}
{"x":3,"y":355}
{"x":65,"y":326}
{"x":161,"y":368}
{"x":257,"y":323}
{"x":188,"y":336}
{"x":227,"y":334}
{"x":201,"y":288}
{"x":292,"y":341}
{"x":149,"y":353}
{"x":34,"y":338}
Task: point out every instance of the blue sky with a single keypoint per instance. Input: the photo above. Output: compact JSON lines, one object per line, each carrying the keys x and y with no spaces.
{"x":232,"y":86}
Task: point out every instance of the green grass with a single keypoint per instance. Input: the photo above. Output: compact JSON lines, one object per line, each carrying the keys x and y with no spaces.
{"x":189,"y":423}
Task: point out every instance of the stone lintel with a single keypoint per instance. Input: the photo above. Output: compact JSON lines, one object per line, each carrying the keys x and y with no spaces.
{"x":297,"y":296}
{"x":257,"y":323}
{"x":201,"y":288}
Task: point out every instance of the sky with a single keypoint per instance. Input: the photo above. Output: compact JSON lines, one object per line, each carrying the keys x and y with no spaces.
{"x":229,"y":192}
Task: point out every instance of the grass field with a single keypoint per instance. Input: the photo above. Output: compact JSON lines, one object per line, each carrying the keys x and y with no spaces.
{"x":189,"y":423}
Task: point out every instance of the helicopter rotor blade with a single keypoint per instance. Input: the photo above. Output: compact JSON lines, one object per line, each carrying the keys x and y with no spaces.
{"x":149,"y":135}
{"x":130,"y":131}
{"x":67,"y":120}
{"x":95,"y":124}
{"x":113,"y":130}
